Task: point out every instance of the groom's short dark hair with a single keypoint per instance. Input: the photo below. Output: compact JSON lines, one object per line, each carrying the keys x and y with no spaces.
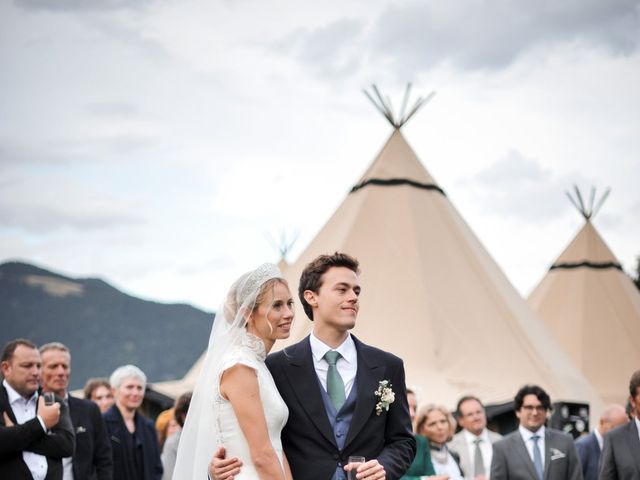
{"x":311,"y":278}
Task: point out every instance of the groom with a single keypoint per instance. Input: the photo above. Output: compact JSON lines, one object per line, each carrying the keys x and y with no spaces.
{"x":329,"y":382}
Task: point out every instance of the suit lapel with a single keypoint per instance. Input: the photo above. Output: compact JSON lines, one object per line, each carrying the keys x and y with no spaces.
{"x":547,"y":452}
{"x":304,"y":383}
{"x":367,"y":376}
{"x":4,"y":401}
{"x":633,"y":444}
{"x":521,"y":448}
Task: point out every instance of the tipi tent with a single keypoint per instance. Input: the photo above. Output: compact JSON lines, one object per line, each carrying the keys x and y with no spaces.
{"x":432,"y":294}
{"x":593,"y":309}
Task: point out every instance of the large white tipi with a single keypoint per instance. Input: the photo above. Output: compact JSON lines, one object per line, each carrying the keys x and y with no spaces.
{"x":432,"y":294}
{"x":593,"y":309}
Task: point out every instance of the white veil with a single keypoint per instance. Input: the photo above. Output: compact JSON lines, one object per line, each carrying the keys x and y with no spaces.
{"x":200,"y":437}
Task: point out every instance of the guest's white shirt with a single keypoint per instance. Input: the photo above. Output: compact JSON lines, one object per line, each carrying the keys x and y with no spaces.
{"x":347,"y":364}
{"x":635,"y":419}
{"x":25,"y":410}
{"x":526,"y":436}
{"x":485,"y":447}
{"x":599,"y":438}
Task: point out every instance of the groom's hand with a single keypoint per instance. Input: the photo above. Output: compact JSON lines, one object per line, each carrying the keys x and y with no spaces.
{"x":371,"y":470}
{"x":221,"y":468}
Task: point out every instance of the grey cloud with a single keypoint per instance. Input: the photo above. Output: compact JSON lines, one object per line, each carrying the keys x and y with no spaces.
{"x":519,"y":187}
{"x":331,"y":50}
{"x":479,"y":35}
{"x":112,"y":109}
{"x":39,"y":217}
{"x":82,"y":5}
{"x":61,"y":152}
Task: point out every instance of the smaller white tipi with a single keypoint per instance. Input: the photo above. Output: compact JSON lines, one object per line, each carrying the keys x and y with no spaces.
{"x":593,"y":309}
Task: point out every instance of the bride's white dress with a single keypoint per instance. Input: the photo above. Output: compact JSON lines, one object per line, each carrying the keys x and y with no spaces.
{"x":252,"y":354}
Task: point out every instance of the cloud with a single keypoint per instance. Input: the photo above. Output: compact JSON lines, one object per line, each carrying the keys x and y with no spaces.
{"x":520,"y":188}
{"x":112,"y":109}
{"x":328,"y":51}
{"x":470,"y":35}
{"x":82,"y":5}
{"x":47,"y":204}
{"x":480,"y":35}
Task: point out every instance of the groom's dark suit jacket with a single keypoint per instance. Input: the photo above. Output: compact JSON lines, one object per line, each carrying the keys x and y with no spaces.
{"x":59,"y":442}
{"x":308,"y":438}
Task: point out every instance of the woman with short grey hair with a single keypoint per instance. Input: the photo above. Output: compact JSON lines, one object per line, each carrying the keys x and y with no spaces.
{"x":136,"y":453}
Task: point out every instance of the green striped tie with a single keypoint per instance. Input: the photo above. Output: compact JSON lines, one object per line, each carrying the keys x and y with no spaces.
{"x":335,"y":385}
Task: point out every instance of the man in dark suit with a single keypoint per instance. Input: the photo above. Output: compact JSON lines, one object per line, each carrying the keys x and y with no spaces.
{"x":621,"y":450}
{"x":534,"y":452}
{"x":345,"y":397}
{"x":34,"y":437}
{"x":92,"y":456}
{"x":589,"y":447}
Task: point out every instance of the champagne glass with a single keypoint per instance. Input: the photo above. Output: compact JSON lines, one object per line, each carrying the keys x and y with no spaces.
{"x":354,"y":461}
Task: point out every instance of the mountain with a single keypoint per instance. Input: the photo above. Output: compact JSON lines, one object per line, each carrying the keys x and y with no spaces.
{"x":103,"y":327}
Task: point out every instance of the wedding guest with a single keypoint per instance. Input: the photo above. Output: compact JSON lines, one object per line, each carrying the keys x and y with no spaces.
{"x":166,"y":426}
{"x":92,"y":455}
{"x":34,"y":436}
{"x":136,"y":454}
{"x":421,"y":466}
{"x":589,"y":447}
{"x":434,"y":423}
{"x":474,"y":443}
{"x":170,"y":450}
{"x":98,"y":390}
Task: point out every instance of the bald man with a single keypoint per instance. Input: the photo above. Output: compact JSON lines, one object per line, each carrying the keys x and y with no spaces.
{"x":590,"y":446}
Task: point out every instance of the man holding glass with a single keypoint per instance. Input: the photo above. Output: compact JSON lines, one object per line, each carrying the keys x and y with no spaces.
{"x":34,"y":436}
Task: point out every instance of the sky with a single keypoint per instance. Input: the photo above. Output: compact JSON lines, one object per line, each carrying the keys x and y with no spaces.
{"x":168,"y":146}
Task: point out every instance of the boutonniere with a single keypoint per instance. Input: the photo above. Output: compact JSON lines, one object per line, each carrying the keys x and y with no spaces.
{"x":555,"y":454}
{"x":385,"y":395}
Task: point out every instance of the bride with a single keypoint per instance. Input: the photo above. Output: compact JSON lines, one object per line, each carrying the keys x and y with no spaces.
{"x":235,"y":401}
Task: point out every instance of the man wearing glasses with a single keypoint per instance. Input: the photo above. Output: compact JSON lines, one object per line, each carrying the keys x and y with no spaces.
{"x":535,"y":452}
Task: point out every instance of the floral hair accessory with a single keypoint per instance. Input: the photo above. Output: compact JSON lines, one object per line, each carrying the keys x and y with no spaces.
{"x":385,"y":395}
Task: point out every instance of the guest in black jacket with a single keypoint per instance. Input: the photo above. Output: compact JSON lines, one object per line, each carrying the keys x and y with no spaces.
{"x":92,"y":456}
{"x":136,"y":453}
{"x":34,"y":437}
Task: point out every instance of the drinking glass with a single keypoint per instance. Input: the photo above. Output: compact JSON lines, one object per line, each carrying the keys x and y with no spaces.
{"x":49,"y":398}
{"x":357,"y":461}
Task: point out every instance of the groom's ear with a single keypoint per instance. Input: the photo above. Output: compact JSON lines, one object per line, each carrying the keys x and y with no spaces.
{"x":310,"y":297}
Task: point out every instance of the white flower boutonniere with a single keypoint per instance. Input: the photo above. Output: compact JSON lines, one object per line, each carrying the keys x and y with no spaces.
{"x":385,"y":395}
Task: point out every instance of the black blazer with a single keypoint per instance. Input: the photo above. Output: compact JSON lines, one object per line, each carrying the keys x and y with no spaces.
{"x":621,"y":453}
{"x":589,"y":452}
{"x":146,"y":430}
{"x":92,"y":458}
{"x":59,"y":442}
{"x":308,"y":439}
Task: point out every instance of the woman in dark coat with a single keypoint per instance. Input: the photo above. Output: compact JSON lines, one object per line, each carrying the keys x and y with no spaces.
{"x":136,"y":453}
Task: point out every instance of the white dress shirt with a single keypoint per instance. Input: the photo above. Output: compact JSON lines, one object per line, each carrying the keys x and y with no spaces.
{"x":25,"y":410}
{"x":637,"y":425}
{"x":526,"y":436}
{"x":485,"y":447}
{"x":347,"y":364}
